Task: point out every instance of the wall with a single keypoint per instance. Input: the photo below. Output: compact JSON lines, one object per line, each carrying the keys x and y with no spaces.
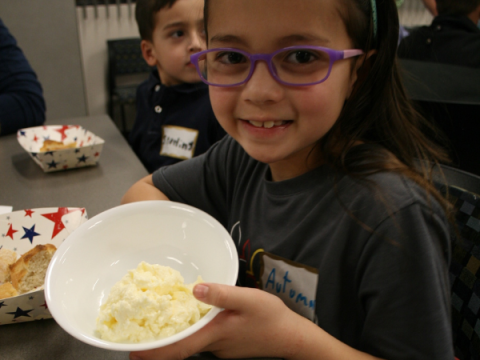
{"x":414,"y":13}
{"x":94,"y":30}
{"x":46,"y":30}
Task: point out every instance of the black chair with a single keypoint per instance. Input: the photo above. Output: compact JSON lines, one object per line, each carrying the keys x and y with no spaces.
{"x":449,"y":95}
{"x":463,"y":189}
{"x":126,"y":70}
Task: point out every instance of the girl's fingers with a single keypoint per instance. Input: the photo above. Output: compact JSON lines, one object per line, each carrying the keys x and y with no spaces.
{"x":223,"y":296}
{"x":182,"y":349}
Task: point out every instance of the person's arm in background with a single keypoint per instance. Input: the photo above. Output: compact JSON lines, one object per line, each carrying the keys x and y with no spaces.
{"x":431,"y":5}
{"x":21,"y":96}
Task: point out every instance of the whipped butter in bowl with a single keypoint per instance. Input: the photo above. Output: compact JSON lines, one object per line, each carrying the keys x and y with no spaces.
{"x":150,"y":302}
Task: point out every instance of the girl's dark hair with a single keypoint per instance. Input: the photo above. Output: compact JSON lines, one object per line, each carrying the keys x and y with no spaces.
{"x":378,"y":111}
{"x":456,"y":7}
{"x":145,"y":11}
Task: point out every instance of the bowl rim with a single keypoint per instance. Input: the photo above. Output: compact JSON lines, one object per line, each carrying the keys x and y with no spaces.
{"x":58,"y":316}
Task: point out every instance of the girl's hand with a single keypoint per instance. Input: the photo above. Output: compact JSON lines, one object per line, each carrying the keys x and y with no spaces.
{"x":253,"y":324}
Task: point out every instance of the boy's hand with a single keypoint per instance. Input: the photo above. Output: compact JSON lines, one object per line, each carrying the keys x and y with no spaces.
{"x":254,"y":324}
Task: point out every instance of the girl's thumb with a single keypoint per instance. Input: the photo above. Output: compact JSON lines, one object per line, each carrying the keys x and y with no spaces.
{"x":200,"y":291}
{"x":222,"y":296}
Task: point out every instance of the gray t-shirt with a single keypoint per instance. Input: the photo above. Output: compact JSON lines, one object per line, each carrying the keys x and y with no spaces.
{"x":367,"y":263}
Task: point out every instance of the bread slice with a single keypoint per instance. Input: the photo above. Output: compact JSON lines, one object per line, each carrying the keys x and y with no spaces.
{"x":7,"y":258}
{"x":28,"y":272}
{"x":52,"y":145}
{"x":7,"y":290}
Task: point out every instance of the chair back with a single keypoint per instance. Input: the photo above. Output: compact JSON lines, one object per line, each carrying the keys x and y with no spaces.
{"x":449,"y":96}
{"x":126,"y":70}
{"x":126,"y":65}
{"x":464,"y":268}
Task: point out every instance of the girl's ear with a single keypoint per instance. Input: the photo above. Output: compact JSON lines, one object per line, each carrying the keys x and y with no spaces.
{"x":360,"y":69}
{"x":148,"y":52}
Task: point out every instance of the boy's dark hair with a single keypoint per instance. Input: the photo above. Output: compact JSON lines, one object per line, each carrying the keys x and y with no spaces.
{"x":456,"y":7}
{"x":145,"y":12}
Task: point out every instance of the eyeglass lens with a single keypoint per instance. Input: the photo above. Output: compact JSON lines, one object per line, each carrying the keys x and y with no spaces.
{"x":299,"y":66}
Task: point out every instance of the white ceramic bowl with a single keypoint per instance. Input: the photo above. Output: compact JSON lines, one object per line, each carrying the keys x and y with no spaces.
{"x":101,"y":251}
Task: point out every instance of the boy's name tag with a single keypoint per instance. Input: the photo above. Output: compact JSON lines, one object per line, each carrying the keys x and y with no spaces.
{"x":294,"y":283}
{"x":178,"y":142}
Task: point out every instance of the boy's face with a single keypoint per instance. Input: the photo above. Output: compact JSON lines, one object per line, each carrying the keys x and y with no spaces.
{"x":178,"y":33}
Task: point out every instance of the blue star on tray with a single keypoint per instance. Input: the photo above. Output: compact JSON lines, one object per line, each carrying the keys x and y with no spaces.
{"x":53,"y":164}
{"x":29,"y":233}
{"x":2,"y":303}
{"x":83,"y":158}
{"x":19,"y":312}
{"x":77,"y":151}
{"x":34,"y":154}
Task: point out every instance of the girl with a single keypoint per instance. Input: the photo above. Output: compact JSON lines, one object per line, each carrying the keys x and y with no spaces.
{"x":318,"y":186}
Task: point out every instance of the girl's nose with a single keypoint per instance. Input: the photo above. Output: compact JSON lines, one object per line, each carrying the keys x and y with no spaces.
{"x":262,"y":88}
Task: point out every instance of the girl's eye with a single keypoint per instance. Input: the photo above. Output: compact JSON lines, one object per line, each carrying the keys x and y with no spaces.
{"x":230,"y":58}
{"x":301,"y":57}
{"x":177,"y":34}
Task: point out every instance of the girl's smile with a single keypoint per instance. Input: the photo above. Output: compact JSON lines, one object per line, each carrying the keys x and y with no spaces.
{"x":275,"y":123}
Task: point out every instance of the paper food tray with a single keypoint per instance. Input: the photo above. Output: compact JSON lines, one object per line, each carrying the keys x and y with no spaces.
{"x":86,"y":153}
{"x":21,"y":231}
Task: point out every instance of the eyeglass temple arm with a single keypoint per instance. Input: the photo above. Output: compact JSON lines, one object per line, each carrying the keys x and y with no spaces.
{"x":351,"y":53}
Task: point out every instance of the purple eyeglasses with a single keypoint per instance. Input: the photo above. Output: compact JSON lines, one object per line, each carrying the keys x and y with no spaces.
{"x":292,"y":66}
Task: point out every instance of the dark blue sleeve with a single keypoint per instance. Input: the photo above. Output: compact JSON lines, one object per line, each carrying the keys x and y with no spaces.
{"x":21,"y":96}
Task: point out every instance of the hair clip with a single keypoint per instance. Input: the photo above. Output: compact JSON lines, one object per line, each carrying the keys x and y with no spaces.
{"x":374,"y":18}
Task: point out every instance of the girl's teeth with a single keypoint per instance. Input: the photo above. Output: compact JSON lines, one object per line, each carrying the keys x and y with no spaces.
{"x":267,"y":124}
{"x":256,"y":123}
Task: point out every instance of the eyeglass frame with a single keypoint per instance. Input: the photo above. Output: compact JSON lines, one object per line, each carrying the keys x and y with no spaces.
{"x":334,"y":55}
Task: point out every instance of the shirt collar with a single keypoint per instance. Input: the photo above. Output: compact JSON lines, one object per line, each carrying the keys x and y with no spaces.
{"x":185,"y":88}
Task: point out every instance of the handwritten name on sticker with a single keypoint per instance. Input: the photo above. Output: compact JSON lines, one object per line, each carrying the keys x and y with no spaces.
{"x":178,"y":142}
{"x":294,"y":283}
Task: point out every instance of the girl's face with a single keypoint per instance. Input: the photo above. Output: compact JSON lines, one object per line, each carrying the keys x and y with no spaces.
{"x":302,"y":115}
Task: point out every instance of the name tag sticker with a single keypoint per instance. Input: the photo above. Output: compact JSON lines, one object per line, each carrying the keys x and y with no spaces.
{"x":294,"y":283}
{"x":178,"y":142}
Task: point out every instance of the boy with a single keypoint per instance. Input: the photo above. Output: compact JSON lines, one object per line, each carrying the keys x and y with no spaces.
{"x":174,"y":119}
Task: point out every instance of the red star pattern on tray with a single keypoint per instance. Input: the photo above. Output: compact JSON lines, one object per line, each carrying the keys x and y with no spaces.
{"x":62,"y":131}
{"x":11,"y":231}
{"x":57,"y":219}
{"x":28,"y":212}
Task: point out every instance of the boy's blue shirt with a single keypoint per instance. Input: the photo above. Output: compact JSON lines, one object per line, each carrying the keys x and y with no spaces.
{"x":173,"y":123}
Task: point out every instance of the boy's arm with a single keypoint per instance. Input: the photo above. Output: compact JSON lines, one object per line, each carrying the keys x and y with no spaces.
{"x":143,"y":190}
